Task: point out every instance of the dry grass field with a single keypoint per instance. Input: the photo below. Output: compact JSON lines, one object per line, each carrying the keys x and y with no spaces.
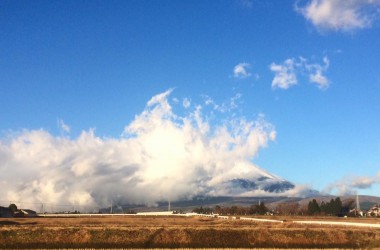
{"x":177,"y":232}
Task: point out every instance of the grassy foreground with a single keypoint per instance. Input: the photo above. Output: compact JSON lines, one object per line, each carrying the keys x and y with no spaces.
{"x":176,"y":232}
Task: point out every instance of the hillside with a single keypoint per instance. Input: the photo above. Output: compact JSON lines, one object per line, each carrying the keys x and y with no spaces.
{"x":365,"y":201}
{"x":271,"y":202}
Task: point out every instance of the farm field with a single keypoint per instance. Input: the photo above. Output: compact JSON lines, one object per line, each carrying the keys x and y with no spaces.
{"x":177,"y":232}
{"x":373,"y":220}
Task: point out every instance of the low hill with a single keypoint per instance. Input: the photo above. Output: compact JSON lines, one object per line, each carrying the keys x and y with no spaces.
{"x":365,"y":201}
{"x":271,"y":202}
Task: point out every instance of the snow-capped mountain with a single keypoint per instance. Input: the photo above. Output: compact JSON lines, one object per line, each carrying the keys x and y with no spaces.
{"x":261,"y":183}
{"x":266,"y":184}
{"x":255,"y":186}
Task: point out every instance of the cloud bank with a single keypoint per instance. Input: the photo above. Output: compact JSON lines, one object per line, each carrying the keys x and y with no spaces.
{"x":159,"y":156}
{"x":340,"y":15}
{"x":350,"y":185}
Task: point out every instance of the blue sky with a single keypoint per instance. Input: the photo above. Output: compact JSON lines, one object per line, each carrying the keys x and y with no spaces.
{"x":311,"y":68}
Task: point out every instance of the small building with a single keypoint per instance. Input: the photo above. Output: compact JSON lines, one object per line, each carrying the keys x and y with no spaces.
{"x":25,"y":213}
{"x":356,"y":212}
{"x":29,"y":213}
{"x":374,"y":211}
{"x":5,"y":212}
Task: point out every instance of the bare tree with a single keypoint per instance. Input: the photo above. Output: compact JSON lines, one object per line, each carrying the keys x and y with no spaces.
{"x":288,"y":208}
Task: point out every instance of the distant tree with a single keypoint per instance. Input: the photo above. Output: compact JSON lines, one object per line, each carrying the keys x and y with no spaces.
{"x":303,"y":210}
{"x":288,"y":208}
{"x":198,"y":210}
{"x":334,"y":207}
{"x":13,"y":208}
{"x":262,"y":209}
{"x":241,"y":210}
{"x":233,"y":210}
{"x":202,"y":210}
{"x":323,"y":207}
{"x":330,"y":207}
{"x":258,"y":209}
{"x":252,"y":209}
{"x":313,"y":208}
{"x":310,"y":208}
{"x":218,"y":209}
{"x":337,"y":208}
{"x":350,"y":203}
{"x":208,"y":210}
{"x":346,"y":207}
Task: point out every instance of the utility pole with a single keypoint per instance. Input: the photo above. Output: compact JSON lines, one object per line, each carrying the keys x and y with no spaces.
{"x":169,"y":206}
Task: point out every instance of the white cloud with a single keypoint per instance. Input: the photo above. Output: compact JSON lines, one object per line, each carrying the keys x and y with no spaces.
{"x":226,"y":106}
{"x":161,"y":155}
{"x":285,"y":76}
{"x":345,"y":15}
{"x":208,"y":101}
{"x":363,"y":182}
{"x":186,"y":103}
{"x":287,"y":72}
{"x":64,"y":128}
{"x":241,"y":71}
{"x":316,"y":73}
{"x":350,"y":185}
{"x":319,"y":79}
{"x":233,"y":100}
{"x":175,"y":100}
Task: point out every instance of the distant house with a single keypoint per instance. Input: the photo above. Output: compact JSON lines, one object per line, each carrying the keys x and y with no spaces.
{"x":18,"y":214}
{"x":25,"y":213}
{"x":356,"y":212}
{"x":29,"y":213}
{"x":5,"y":212}
{"x":374,"y":211}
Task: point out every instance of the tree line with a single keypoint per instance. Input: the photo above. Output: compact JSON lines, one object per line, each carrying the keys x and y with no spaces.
{"x":334,"y":207}
{"x":259,"y":209}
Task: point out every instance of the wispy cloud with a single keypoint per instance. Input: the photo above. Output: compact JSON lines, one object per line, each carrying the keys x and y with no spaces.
{"x":160,"y":156}
{"x":226,"y":106}
{"x":316,"y":73}
{"x":287,"y":72}
{"x":344,"y":15}
{"x":350,"y":185}
{"x":63,"y":127}
{"x":241,"y":71}
{"x":186,"y":103}
{"x":245,"y":3}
